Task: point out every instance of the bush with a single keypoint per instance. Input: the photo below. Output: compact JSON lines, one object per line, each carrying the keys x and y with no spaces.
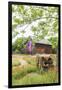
{"x":19,"y":45}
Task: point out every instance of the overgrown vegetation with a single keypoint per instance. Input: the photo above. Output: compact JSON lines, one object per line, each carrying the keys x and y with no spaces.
{"x":36,"y":22}
{"x":30,"y":74}
{"x":43,"y":23}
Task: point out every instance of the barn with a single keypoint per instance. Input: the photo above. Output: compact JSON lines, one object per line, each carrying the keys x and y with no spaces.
{"x":43,"y":46}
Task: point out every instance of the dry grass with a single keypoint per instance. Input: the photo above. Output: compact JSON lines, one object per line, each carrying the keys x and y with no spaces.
{"x":29,"y":74}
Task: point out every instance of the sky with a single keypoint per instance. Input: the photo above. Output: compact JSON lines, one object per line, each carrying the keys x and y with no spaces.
{"x":28,"y":29}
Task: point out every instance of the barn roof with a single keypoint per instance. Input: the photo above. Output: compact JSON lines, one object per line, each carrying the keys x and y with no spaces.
{"x":43,"y":41}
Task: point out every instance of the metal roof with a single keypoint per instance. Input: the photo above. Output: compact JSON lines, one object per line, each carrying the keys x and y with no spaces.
{"x":43,"y":41}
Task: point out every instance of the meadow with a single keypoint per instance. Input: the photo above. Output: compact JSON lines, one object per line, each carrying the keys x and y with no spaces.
{"x":25,"y":71}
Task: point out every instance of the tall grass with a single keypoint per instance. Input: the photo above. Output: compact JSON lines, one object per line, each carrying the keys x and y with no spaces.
{"x":15,"y":63}
{"x":21,"y":72}
{"x":35,"y":78}
{"x":30,"y":74}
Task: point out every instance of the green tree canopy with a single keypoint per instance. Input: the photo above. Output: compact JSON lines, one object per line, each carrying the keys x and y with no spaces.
{"x":46,"y":18}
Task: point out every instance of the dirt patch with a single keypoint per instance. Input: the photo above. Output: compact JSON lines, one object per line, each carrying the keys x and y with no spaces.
{"x":23,"y":62}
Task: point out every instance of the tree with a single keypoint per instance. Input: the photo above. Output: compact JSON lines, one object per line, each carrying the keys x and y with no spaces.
{"x":46,"y":16}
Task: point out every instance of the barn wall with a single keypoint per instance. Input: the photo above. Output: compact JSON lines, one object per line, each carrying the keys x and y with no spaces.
{"x":41,"y":48}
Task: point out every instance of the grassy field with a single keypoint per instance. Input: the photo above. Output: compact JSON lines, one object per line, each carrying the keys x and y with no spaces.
{"x":25,"y":71}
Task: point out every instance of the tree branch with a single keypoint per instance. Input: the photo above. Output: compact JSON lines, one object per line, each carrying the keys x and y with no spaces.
{"x":36,"y":20}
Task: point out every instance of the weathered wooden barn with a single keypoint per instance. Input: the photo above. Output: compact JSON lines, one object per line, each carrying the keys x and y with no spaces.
{"x":43,"y":46}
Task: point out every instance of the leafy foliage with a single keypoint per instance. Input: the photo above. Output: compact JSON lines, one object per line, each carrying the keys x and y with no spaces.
{"x":46,"y":18}
{"x":19,"y":45}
